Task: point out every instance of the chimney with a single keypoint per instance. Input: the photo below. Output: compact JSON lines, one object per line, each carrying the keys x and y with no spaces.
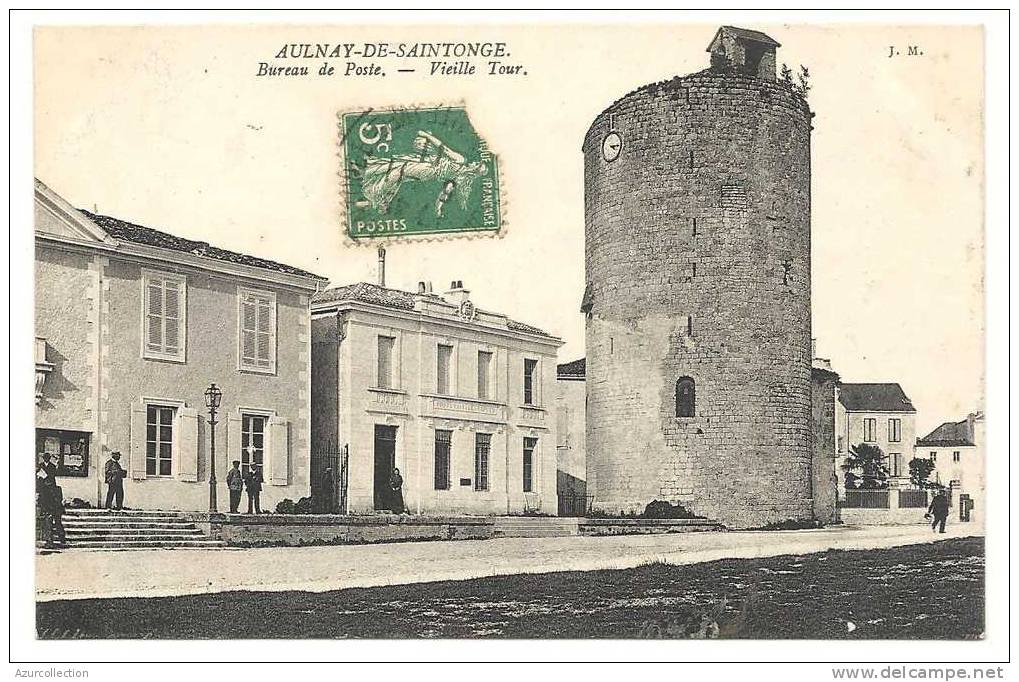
{"x":456,"y":294}
{"x":382,"y":266}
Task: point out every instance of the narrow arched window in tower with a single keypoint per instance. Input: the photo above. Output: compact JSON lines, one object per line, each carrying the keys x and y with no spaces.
{"x":685,"y":397}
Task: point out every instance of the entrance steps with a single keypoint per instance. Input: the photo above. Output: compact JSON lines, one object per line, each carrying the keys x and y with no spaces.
{"x":133,"y":529}
{"x":535,"y":526}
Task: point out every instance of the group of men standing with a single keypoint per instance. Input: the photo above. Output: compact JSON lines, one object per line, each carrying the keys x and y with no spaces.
{"x":251,"y":481}
{"x":236,"y":482}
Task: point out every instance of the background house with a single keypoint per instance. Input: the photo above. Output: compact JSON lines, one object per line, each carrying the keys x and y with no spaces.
{"x":878,"y":414}
{"x":132,"y":325}
{"x":460,"y":399}
{"x":957,"y":450}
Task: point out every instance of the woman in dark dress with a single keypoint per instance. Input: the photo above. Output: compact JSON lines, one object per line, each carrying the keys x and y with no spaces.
{"x":396,"y":491}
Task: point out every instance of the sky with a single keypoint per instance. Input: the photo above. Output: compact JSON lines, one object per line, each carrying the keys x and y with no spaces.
{"x":170,"y":127}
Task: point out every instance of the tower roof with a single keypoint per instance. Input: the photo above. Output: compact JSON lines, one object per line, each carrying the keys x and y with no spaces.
{"x":743,"y":33}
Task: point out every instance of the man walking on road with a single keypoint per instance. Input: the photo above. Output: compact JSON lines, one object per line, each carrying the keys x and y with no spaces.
{"x":939,"y":510}
{"x":114,"y":476}
{"x":235,"y":484}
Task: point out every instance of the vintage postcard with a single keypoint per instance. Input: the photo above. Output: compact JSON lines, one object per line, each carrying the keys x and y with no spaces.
{"x":550,"y":331}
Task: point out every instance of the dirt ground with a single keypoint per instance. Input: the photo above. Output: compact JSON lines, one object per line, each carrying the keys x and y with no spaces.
{"x":928,"y":591}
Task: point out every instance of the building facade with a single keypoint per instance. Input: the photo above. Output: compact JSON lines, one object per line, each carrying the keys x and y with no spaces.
{"x":824,"y":384}
{"x":958,"y":451}
{"x":879,"y":414}
{"x":571,"y":455}
{"x":460,"y":400}
{"x":132,"y":326}
{"x":697,"y":254}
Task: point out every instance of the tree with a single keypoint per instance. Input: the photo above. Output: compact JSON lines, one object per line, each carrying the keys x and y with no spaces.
{"x":866,"y":468}
{"x":786,"y":74}
{"x":804,"y":78}
{"x":920,"y":469}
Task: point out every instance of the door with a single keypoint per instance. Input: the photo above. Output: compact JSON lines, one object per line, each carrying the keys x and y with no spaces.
{"x":965,"y":505}
{"x":385,"y":460}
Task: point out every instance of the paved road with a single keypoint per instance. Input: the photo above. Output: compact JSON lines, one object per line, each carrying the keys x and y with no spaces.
{"x":158,"y":573}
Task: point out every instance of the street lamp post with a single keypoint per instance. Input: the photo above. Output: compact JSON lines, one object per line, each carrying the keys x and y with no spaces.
{"x":213,"y":396}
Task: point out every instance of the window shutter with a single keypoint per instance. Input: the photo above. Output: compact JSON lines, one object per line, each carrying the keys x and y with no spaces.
{"x":248,"y":332}
{"x":154,"y":315}
{"x":278,"y":451}
{"x":171,"y":315}
{"x":187,"y":444}
{"x":136,"y":458}
{"x":263,"y":346}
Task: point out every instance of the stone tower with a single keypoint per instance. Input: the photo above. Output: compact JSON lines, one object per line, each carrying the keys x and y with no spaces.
{"x":697,"y":254}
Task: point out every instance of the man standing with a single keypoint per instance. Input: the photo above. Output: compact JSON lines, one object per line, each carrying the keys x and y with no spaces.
{"x":235,"y":483}
{"x":254,"y":485}
{"x":50,"y":502}
{"x":939,"y":510}
{"x":114,"y":477}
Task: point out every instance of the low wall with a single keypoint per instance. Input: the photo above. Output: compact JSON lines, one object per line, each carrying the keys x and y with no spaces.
{"x":271,"y":530}
{"x":645,"y":526}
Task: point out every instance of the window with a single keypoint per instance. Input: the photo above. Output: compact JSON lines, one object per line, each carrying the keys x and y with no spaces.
{"x":529,"y":445}
{"x":252,"y":440}
{"x":934,"y":455}
{"x":159,"y":440}
{"x":956,"y":456}
{"x":385,"y":371}
{"x":869,"y":430}
{"x":484,"y":372}
{"x":482,"y":450}
{"x":894,"y":430}
{"x":686,"y":397}
{"x":165,"y":309}
{"x":443,"y":441}
{"x":529,"y":389}
{"x":443,"y":356}
{"x":257,"y":324}
{"x":896,"y":463}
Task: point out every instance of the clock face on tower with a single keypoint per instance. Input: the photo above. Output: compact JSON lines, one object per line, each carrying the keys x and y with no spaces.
{"x":611,"y":146}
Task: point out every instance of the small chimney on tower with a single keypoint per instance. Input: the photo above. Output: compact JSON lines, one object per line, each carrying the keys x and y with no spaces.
{"x":382,"y":266}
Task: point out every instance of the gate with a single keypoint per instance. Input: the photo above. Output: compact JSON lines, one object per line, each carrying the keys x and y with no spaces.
{"x":573,"y":504}
{"x":329,"y":476}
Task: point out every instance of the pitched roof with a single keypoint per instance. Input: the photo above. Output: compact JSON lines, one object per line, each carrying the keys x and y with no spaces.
{"x":139,"y":234}
{"x":365,"y":292}
{"x":949,"y":434}
{"x":746,"y":34}
{"x":875,"y":398}
{"x":572,"y":370}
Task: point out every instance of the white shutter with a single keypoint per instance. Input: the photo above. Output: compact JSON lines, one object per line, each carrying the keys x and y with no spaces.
{"x":171,"y":317}
{"x":136,"y":458}
{"x":154,"y":315}
{"x":187,"y":444}
{"x":249,"y":314}
{"x":263,"y":347}
{"x":278,"y":451}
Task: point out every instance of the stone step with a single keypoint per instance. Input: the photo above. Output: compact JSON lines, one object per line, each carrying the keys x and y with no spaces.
{"x":127,"y":537}
{"x":153,"y":525}
{"x":132,"y":514}
{"x":146,"y":544}
{"x":142,"y":532}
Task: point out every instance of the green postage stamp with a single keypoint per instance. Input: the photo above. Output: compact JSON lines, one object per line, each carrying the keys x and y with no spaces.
{"x":417,"y":171}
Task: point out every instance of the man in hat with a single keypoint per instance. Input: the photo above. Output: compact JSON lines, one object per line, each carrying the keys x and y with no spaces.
{"x":114,"y":477}
{"x":253,"y":481}
{"x":235,"y":484}
{"x":939,"y":510}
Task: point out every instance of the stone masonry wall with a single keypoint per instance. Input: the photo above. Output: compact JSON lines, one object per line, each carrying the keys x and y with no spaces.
{"x":698,"y":264}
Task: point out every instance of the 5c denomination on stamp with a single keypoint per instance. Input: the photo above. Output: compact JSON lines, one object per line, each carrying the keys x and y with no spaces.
{"x":417,"y":171}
